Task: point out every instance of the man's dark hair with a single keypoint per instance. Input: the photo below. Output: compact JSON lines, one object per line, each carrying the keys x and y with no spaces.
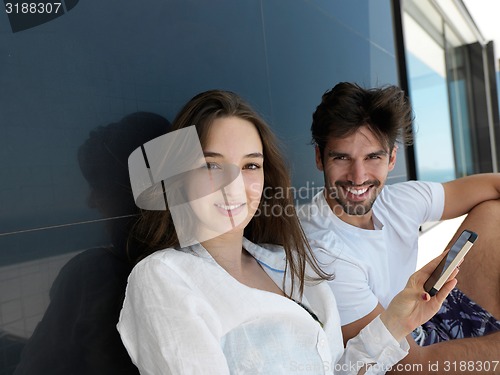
{"x":347,"y":107}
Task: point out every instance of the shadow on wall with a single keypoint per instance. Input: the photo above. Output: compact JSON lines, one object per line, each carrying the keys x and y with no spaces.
{"x":77,"y":334}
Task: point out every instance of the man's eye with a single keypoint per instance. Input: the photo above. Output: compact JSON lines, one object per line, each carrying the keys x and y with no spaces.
{"x":340,"y":158}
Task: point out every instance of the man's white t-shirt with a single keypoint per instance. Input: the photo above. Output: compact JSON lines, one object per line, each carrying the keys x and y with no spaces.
{"x":372,"y":266}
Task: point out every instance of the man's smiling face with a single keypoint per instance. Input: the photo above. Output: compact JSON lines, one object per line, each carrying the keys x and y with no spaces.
{"x":355,"y":170}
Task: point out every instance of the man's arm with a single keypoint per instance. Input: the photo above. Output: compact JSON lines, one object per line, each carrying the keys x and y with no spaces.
{"x":460,"y":356}
{"x":465,"y":193}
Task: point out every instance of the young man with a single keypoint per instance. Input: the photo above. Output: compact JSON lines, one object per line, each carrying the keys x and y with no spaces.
{"x":366,"y":233}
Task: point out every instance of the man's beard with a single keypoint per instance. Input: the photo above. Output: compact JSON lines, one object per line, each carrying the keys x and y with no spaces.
{"x":354,"y":208}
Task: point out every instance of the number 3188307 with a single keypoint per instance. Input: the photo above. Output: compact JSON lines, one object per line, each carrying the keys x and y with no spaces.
{"x":32,"y":8}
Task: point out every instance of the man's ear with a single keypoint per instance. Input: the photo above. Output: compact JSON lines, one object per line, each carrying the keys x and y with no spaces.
{"x":392,"y":157}
{"x":319,"y":162}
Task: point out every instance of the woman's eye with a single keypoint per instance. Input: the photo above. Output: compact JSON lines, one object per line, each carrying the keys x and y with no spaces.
{"x":252,"y":166}
{"x":211,"y":165}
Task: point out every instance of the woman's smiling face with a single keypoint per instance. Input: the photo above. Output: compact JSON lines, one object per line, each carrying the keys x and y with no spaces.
{"x":227,"y":187}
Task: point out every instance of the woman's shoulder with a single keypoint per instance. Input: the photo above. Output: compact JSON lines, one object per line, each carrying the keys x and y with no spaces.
{"x":173,"y":263}
{"x":166,"y":256}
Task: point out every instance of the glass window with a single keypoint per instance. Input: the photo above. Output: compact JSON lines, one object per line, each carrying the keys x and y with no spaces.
{"x":429,"y":96}
{"x":446,"y":83}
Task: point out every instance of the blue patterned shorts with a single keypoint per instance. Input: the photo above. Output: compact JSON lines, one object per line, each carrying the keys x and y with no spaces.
{"x":459,"y":317}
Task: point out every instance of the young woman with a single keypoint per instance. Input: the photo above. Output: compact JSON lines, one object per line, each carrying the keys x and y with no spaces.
{"x":247,"y":296}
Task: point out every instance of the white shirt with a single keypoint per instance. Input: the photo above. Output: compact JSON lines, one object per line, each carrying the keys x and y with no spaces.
{"x":184,"y":314}
{"x":372,"y":266}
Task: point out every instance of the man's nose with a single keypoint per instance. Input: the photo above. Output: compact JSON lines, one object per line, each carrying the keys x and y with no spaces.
{"x":357,"y":172}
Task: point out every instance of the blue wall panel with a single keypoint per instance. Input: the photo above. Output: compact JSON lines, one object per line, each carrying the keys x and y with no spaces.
{"x":101,"y":61}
